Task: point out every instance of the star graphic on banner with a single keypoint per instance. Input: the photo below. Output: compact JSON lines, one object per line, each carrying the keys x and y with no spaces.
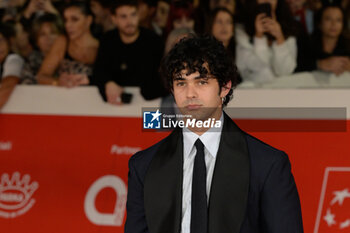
{"x":345,"y":224}
{"x":329,"y":218}
{"x":340,"y":196}
{"x":156,"y":115}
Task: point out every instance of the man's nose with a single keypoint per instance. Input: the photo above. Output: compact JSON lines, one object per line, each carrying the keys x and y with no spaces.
{"x":191,"y":91}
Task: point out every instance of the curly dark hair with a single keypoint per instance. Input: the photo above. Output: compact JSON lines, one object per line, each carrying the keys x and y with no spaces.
{"x":195,"y":53}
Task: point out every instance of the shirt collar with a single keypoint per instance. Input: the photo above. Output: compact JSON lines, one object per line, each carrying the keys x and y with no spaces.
{"x":210,"y":139}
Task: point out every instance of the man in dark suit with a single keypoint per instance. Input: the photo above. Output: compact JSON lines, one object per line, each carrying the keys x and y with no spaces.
{"x":209,"y":180}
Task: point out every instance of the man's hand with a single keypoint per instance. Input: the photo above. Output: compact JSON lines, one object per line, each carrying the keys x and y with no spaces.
{"x":335,"y":64}
{"x":113,"y":93}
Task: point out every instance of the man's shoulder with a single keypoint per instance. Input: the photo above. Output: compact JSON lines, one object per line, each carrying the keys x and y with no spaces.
{"x":144,"y":157}
{"x":255,"y":146}
{"x":262,"y":152}
{"x":264,"y":158}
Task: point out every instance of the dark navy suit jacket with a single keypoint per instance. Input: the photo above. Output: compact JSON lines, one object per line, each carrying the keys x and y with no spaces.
{"x":252,"y":190}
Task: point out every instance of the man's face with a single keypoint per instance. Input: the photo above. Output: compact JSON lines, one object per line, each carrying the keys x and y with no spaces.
{"x":126,"y":19}
{"x":199,"y":96}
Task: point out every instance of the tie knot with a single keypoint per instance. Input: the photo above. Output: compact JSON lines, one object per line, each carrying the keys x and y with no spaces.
{"x":199,"y":145}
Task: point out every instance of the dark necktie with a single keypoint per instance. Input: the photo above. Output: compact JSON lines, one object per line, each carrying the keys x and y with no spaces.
{"x":199,"y":209}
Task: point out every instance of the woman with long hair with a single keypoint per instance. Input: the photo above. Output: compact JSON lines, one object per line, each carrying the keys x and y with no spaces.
{"x":45,"y":31}
{"x":330,"y":46}
{"x":71,"y":58}
{"x":222,"y":27}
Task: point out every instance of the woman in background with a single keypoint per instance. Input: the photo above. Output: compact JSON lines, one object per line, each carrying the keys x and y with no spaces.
{"x":45,"y":31}
{"x":10,"y":64}
{"x":331,"y":47}
{"x":266,"y":45}
{"x":222,"y":28}
{"x":70,"y":61}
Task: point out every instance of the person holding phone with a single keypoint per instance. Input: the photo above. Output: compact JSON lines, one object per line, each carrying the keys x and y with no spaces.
{"x":266,"y":42}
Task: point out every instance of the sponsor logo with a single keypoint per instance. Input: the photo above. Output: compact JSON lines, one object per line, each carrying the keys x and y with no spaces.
{"x":16,"y":195}
{"x":5,"y":145}
{"x":151,"y":120}
{"x":106,"y":219}
{"x":333,"y":212}
{"x":124,"y":150}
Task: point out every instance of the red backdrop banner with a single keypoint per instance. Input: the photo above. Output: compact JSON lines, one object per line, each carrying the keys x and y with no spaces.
{"x":69,"y":173}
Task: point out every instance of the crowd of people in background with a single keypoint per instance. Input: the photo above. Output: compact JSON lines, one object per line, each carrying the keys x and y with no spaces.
{"x":118,"y":43}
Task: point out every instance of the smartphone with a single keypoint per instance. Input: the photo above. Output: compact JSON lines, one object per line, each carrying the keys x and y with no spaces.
{"x":126,"y":98}
{"x":264,"y":8}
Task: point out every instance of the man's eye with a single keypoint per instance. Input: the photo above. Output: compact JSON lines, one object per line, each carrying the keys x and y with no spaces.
{"x":180,"y":84}
{"x":203,"y":82}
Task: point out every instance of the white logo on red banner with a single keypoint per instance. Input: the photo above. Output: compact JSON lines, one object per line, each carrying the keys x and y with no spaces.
{"x":6,"y":146}
{"x":334,"y":207}
{"x":106,"y":219}
{"x":16,"y":195}
{"x":119,"y":150}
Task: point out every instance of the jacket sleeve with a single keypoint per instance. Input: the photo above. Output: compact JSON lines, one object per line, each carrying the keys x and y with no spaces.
{"x":136,"y":219}
{"x":280,"y":204}
{"x":103,"y":67}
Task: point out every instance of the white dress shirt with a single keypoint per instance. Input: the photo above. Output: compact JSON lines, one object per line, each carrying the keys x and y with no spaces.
{"x":211,"y":141}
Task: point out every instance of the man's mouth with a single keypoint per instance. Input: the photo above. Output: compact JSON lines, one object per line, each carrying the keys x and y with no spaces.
{"x":193,"y":106}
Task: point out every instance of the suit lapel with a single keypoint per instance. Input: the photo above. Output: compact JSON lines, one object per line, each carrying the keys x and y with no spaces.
{"x":163,"y":186}
{"x":230,"y":183}
{"x":229,"y":188}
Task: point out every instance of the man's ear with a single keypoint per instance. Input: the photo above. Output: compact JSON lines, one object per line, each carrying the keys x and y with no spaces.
{"x":226,"y":89}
